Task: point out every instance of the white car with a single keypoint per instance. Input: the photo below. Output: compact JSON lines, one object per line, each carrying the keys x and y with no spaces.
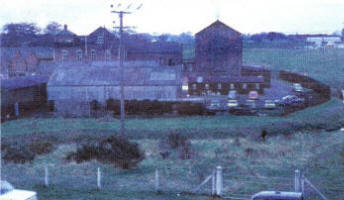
{"x":231,"y":103}
{"x":232,"y":94}
{"x":8,"y":192}
{"x":297,"y":87}
{"x":269,"y":104}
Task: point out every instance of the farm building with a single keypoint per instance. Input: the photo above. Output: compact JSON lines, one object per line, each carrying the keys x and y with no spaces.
{"x":315,"y":42}
{"x":23,"y":61}
{"x":217,"y":64}
{"x":73,"y":86}
{"x":22,"y":94}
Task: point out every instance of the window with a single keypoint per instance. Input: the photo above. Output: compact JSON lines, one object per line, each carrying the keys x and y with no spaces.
{"x":194,"y":86}
{"x":107,"y":55}
{"x":64,"y":55}
{"x":93,"y":54}
{"x":79,"y":55}
{"x":244,"y":86}
{"x":232,"y":86}
{"x":100,"y":39}
{"x":219,"y":86}
{"x":207,"y":86}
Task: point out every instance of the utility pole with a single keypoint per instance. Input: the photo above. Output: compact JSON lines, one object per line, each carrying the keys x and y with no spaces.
{"x":121,"y":13}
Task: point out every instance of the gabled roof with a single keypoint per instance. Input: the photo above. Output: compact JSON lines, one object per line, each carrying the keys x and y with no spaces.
{"x":40,"y":52}
{"x":218,"y":24}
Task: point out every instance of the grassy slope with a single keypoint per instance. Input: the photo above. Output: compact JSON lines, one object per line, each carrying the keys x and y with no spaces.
{"x":249,"y":166}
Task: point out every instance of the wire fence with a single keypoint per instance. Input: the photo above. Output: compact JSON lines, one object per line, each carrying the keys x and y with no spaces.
{"x":86,"y":178}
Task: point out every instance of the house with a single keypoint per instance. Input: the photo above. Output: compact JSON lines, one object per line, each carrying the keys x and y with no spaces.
{"x":73,"y":86}
{"x":217,"y":65}
{"x":22,"y":94}
{"x":23,"y":61}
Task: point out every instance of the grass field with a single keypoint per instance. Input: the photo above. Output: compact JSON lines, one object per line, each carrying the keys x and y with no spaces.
{"x":249,"y":166}
{"x":323,"y":65}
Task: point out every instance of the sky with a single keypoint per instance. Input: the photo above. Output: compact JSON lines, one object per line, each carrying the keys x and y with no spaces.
{"x":177,"y":16}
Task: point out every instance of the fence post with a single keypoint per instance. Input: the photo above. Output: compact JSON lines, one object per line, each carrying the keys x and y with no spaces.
{"x":303,"y":184}
{"x":99,"y":186}
{"x":297,"y":181}
{"x":46,"y":177}
{"x":213,"y":183}
{"x":157,"y":187}
{"x":219,"y":183}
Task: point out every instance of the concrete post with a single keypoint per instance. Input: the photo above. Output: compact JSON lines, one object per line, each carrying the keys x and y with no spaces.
{"x":213,"y":184}
{"x":157,"y":185}
{"x":297,"y":186}
{"x":219,"y":180}
{"x":46,"y":177}
{"x":99,"y":186}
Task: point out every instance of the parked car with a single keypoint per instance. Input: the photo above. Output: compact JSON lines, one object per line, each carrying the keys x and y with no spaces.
{"x":253,"y":95}
{"x":292,"y":100}
{"x":276,"y":195}
{"x":232,"y":103}
{"x":232,"y":94}
{"x":269,"y":104}
{"x":8,"y":192}
{"x":297,"y":87}
{"x":216,"y":105}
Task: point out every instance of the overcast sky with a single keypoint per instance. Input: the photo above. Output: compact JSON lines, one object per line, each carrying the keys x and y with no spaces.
{"x":177,"y":16}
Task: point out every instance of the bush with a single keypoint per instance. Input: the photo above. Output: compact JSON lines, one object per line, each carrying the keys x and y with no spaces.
{"x":189,"y":108}
{"x":174,"y":140}
{"x":41,"y":147}
{"x":17,"y":154}
{"x":116,"y":150}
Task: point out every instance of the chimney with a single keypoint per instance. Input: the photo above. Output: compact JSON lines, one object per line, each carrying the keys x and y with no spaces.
{"x":65,"y":27}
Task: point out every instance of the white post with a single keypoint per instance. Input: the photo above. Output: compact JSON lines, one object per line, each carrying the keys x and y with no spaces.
{"x":213,"y":183}
{"x":343,"y":95}
{"x":297,"y":181}
{"x":219,"y":181}
{"x":99,"y":186}
{"x":46,"y":177}
{"x":157,"y":189}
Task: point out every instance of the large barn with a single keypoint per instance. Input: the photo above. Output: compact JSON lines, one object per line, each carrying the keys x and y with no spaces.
{"x":217,"y":66}
{"x":72,"y":87}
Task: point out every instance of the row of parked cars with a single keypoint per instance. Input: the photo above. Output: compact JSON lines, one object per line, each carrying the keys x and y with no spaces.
{"x":250,"y":105}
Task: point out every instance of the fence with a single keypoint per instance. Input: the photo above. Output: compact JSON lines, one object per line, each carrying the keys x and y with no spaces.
{"x":87,"y":178}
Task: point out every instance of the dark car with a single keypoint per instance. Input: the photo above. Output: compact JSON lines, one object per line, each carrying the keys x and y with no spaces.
{"x":244,"y":109}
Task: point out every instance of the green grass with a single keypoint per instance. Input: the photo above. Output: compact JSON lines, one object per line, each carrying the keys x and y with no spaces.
{"x":269,"y":165}
{"x":323,"y":65}
{"x":327,"y":114}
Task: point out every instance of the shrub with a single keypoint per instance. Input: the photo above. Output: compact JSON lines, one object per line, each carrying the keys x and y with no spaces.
{"x":18,"y":154}
{"x":116,"y":150}
{"x":41,"y":147}
{"x":174,"y":140}
{"x":94,"y":105}
{"x":189,"y":108}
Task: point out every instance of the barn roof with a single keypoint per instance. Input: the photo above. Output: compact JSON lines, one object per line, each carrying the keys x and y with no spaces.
{"x":39,"y":52}
{"x":23,"y":82}
{"x":108,"y":73}
{"x":155,"y":47}
{"x":218,"y":24}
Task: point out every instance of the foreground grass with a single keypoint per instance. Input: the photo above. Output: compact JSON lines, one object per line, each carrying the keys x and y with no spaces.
{"x":249,"y":166}
{"x":322,"y":116}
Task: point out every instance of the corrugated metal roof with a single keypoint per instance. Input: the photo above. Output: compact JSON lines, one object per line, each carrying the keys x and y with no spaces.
{"x":23,"y":82}
{"x":108,"y":73}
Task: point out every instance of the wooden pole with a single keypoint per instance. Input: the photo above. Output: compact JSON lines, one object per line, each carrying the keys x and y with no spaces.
{"x":46,"y":177}
{"x":99,"y":186}
{"x":297,"y":181}
{"x":219,"y":180}
{"x":157,"y":185}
